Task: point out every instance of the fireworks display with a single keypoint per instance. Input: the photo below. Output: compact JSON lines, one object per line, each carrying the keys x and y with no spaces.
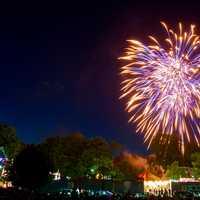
{"x":162,"y":85}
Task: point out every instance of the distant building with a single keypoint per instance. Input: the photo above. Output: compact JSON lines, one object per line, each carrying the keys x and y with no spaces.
{"x":169,"y":187}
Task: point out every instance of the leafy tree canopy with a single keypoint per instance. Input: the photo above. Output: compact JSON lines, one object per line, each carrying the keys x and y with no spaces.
{"x":9,"y":141}
{"x":174,"y":171}
{"x":195,"y":157}
{"x":65,"y":152}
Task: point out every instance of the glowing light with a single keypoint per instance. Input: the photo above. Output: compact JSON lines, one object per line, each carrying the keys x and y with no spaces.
{"x":162,"y":85}
{"x":155,"y":187}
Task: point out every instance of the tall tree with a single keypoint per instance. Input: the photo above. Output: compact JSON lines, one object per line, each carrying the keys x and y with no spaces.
{"x":195,"y":157}
{"x":8,"y":139}
{"x":65,"y":152}
{"x":30,"y":168}
{"x":174,"y":171}
{"x":96,"y":158}
{"x":166,"y":148}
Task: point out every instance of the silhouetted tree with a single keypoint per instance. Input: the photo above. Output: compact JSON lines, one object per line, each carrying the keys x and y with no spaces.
{"x":167,"y":149}
{"x":30,"y":168}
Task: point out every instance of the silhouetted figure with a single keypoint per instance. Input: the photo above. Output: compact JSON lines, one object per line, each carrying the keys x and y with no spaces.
{"x":74,"y":194}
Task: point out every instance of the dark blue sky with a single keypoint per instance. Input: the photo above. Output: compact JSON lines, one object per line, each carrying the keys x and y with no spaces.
{"x":59,"y":67}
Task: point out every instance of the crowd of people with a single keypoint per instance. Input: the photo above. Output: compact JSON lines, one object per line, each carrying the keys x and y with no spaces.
{"x":19,"y":194}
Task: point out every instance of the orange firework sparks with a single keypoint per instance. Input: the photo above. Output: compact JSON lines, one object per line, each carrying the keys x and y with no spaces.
{"x":162,"y":85}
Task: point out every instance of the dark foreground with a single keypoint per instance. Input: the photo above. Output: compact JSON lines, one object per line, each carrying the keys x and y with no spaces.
{"x":13,"y":194}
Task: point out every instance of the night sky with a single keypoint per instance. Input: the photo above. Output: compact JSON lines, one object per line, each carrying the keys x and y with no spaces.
{"x":59,"y":67}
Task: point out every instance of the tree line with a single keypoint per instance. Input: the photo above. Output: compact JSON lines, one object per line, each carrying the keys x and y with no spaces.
{"x":76,"y":156}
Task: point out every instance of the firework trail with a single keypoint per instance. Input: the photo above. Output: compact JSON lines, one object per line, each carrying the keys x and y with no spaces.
{"x":162,"y":85}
